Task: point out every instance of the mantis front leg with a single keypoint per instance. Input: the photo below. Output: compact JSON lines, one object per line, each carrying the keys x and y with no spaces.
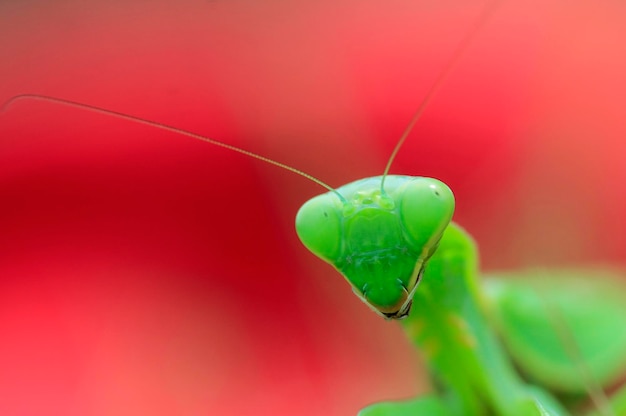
{"x":466,"y":361}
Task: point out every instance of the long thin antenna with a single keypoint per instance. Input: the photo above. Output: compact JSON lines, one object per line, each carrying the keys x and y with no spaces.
{"x":165,"y":127}
{"x":467,"y":40}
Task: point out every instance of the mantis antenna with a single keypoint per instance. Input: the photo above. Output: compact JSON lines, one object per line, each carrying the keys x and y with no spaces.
{"x":165,"y":127}
{"x":488,"y":10}
{"x":467,"y":40}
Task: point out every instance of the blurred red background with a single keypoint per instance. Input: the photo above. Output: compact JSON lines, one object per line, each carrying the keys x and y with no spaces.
{"x":143,"y":272}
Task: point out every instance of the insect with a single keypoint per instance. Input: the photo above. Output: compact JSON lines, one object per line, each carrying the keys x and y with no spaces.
{"x":401,"y":296}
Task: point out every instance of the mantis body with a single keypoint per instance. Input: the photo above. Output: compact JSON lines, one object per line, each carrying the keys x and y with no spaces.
{"x":394,"y":243}
{"x":387,"y":240}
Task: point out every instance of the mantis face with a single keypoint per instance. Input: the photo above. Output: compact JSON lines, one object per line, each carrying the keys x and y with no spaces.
{"x":379,"y":240}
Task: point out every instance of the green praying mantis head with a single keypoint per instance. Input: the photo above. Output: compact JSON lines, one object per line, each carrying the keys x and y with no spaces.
{"x":378,"y":238}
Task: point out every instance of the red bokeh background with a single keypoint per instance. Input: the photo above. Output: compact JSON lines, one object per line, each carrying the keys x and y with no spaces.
{"x":143,"y":272}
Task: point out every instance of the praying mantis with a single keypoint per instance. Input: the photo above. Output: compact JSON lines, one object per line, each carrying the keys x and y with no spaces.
{"x":433,"y":405}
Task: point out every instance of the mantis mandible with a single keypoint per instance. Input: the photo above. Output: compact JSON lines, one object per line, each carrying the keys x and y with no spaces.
{"x":409,"y":261}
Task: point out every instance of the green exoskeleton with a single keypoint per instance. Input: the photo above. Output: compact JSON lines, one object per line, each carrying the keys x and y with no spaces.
{"x":379,"y":238}
{"x":516,"y":345}
{"x":387,"y":240}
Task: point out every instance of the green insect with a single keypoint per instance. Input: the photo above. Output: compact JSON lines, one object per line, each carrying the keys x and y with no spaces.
{"x":516,"y":345}
{"x":387,"y":240}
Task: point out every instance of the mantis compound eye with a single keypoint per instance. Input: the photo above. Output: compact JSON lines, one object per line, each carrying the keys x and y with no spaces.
{"x":318,"y":224}
{"x":426,"y":207}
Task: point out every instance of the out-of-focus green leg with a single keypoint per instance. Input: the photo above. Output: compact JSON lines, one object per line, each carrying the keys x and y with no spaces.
{"x":550,"y":406}
{"x":426,"y":406}
{"x":617,"y":404}
{"x":564,"y":328}
{"x":434,"y":406}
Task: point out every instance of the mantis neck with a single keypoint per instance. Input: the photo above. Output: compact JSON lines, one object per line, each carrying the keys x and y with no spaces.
{"x":462,"y":353}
